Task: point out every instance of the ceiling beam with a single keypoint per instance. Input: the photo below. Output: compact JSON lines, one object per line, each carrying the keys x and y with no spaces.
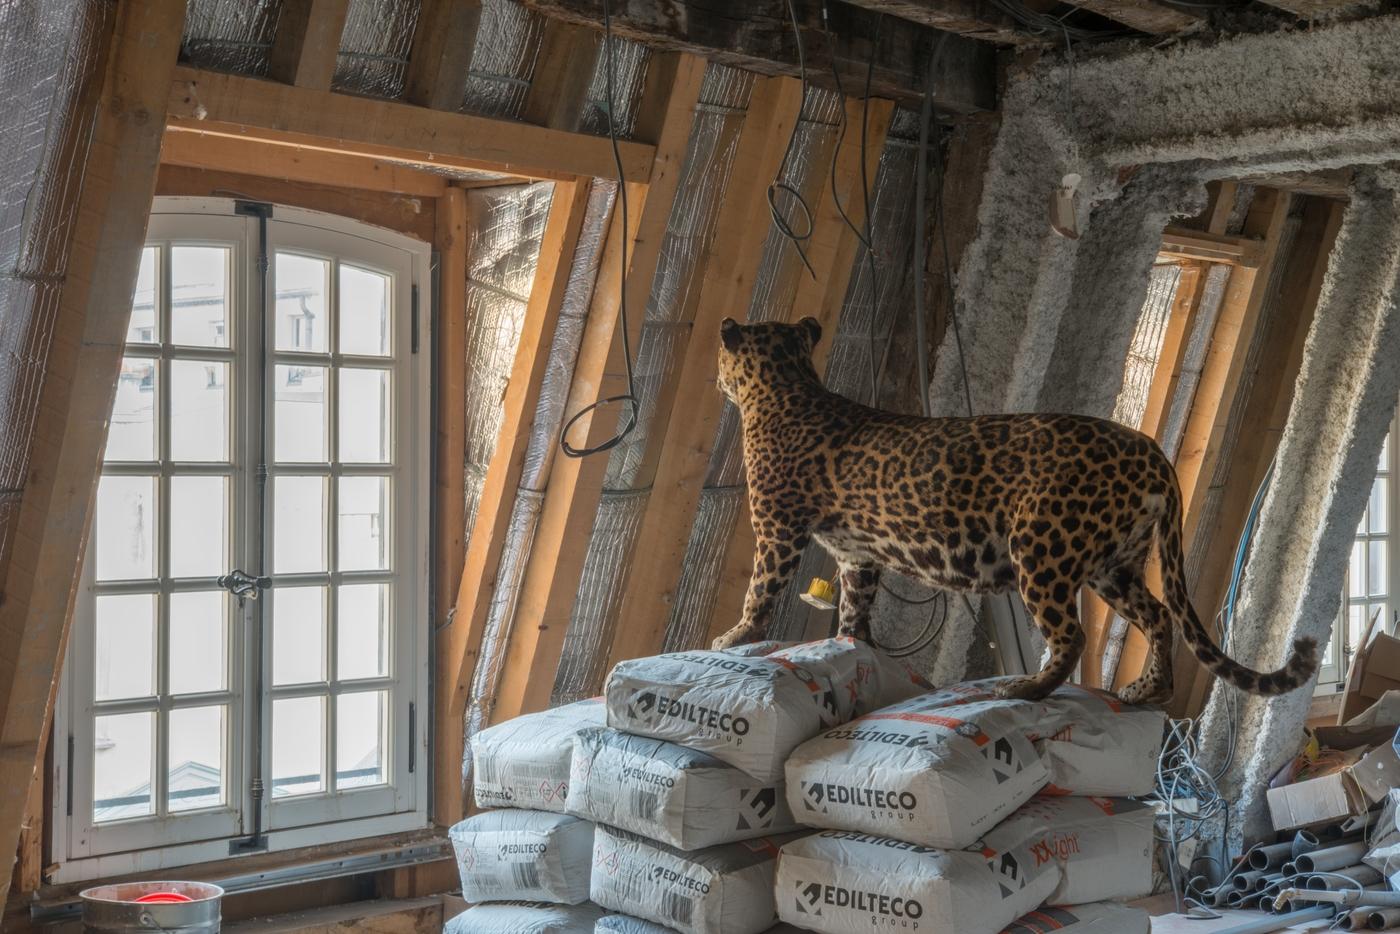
{"x":757,"y":35}
{"x":976,"y":19}
{"x":1150,"y":16}
{"x":307,"y":42}
{"x":330,"y":122}
{"x":441,"y":53}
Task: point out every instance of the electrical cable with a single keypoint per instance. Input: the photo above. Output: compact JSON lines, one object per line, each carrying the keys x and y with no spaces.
{"x":630,"y":396}
{"x":779,"y":183}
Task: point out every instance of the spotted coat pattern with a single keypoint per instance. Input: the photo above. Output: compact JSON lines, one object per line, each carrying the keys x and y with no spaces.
{"x":1045,"y":504}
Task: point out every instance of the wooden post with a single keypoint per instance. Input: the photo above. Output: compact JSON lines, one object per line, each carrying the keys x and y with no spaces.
{"x":307,"y":42}
{"x":441,"y":53}
{"x":449,"y":480}
{"x":575,"y":484}
{"x":563,"y":70}
{"x":460,"y":643}
{"x":76,"y":399}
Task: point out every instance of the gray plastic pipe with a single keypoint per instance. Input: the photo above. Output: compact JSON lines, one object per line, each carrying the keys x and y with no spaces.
{"x":1267,"y":880}
{"x":1381,"y":918}
{"x":1270,"y":858}
{"x":1334,"y":857}
{"x":1304,"y":842}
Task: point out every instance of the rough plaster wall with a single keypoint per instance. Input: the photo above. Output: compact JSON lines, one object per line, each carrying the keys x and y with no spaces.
{"x":1342,"y":407}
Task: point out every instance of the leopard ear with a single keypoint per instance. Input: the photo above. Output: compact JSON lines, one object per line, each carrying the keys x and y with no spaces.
{"x":731,"y":334}
{"x":812,"y":329}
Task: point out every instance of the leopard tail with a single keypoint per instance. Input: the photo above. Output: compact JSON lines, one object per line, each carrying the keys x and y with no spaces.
{"x":1302,"y":662}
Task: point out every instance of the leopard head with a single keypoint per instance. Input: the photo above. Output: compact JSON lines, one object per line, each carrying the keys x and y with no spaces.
{"x":755,"y":357}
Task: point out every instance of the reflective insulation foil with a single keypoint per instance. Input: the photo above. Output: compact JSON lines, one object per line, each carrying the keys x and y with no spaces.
{"x":503,"y":59}
{"x":583,"y":668}
{"x":629,"y":72}
{"x":780,"y":271}
{"x":670,"y":307}
{"x":1146,"y":346}
{"x":230,"y":35}
{"x":539,"y":454}
{"x":505,"y":227}
{"x":50,"y":75}
{"x":374,"y":47}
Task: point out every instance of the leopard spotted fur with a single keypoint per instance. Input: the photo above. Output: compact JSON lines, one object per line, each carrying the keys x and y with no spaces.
{"x":1046,"y":504}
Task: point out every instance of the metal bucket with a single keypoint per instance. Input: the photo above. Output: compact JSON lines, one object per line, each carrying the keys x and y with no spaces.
{"x":114,"y":909}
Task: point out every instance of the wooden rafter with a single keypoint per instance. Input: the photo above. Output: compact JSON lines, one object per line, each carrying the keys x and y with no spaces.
{"x":832,"y":251}
{"x":459,"y":643}
{"x":563,"y":69}
{"x":1262,"y":422}
{"x":80,"y":382}
{"x":330,"y":122}
{"x":757,"y":35}
{"x":307,"y":42}
{"x":1181,"y":243}
{"x":441,"y":54}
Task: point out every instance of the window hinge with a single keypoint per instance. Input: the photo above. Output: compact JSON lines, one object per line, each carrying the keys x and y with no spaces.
{"x":412,"y":736}
{"x":413,"y":340}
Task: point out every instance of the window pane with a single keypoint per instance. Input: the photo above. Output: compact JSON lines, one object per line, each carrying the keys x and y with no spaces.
{"x":144,"y":328}
{"x":1378,"y":611}
{"x":1383,"y":464}
{"x":198,"y":410}
{"x":1356,"y":573}
{"x":131,"y":435}
{"x":1375,"y":509}
{"x":298,"y":635}
{"x":301,"y":287}
{"x":364,"y":312}
{"x":198,"y":642}
{"x":1356,"y":625}
{"x":1377,"y":571}
{"x":298,"y":746}
{"x":364,"y":523}
{"x":197,"y":756}
{"x":362,"y":617}
{"x":359,"y":739}
{"x":125,"y":528}
{"x":199,"y":296}
{"x":122,"y":768}
{"x":198,"y":531}
{"x":299,"y":524}
{"x":124,"y":663}
{"x":364,"y":416}
{"x":300,"y":414}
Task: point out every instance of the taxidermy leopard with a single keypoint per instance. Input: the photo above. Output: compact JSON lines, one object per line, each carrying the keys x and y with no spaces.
{"x":1043,"y":503}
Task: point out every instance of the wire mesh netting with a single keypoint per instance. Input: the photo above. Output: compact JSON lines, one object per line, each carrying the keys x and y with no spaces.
{"x":374,"y":47}
{"x":230,"y":35}
{"x":629,"y":72}
{"x":503,"y":59}
{"x":50,"y":73}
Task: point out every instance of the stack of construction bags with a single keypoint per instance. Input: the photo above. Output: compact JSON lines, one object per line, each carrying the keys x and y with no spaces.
{"x":959,"y":811}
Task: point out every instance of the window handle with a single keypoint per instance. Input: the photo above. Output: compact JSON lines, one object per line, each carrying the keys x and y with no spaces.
{"x":242,"y":584}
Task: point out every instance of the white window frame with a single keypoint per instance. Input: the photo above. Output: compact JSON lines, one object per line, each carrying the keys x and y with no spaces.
{"x":84,"y":850}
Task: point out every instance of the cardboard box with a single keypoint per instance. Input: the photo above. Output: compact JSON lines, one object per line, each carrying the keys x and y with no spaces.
{"x":1335,"y":797}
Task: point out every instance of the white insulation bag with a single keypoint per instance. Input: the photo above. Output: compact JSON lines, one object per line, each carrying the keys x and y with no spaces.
{"x":525,"y":918}
{"x":527,"y":855}
{"x":752,"y":712}
{"x":1053,"y":850}
{"x":943,"y":768}
{"x":626,"y":924}
{"x":669,"y":793}
{"x":1098,"y":918}
{"x":725,"y":889}
{"x":524,"y":762}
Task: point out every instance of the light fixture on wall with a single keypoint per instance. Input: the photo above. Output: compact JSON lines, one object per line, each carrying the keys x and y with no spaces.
{"x":1063,"y":201}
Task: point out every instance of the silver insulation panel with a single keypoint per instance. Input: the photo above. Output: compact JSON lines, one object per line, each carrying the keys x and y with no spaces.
{"x":670,"y":307}
{"x":50,"y":56}
{"x":230,"y":35}
{"x":540,"y":452}
{"x":1146,"y":346}
{"x":503,"y":59}
{"x":718,"y":511}
{"x":374,"y":47}
{"x":1194,"y":359}
{"x":629,"y":72}
{"x":505,"y":228}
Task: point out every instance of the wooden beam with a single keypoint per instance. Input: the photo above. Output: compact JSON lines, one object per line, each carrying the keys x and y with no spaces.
{"x":1183,"y":243}
{"x":575,"y":484}
{"x":75,"y":402}
{"x":307,"y":42}
{"x":471,"y":595}
{"x":677,"y":455}
{"x":756,"y":35}
{"x":451,"y":381}
{"x":972,"y":18}
{"x":833,"y":251}
{"x":569,"y":488}
{"x":1220,"y":380}
{"x":325,"y":121}
{"x":563,"y":70}
{"x":1262,"y":422}
{"x":1150,"y":16}
{"x":441,"y":53}
{"x":196,"y":149}
{"x":1314,"y":9}
{"x":1330,"y":183}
